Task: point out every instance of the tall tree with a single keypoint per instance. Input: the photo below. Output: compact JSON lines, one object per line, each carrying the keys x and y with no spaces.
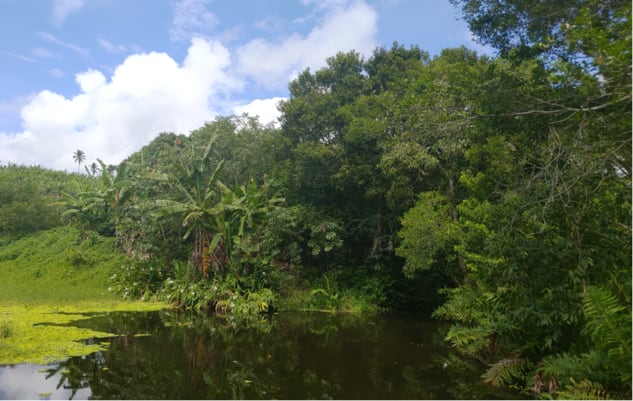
{"x":79,"y":156}
{"x":544,"y":216}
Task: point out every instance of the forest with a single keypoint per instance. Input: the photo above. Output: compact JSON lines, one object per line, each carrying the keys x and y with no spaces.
{"x":493,"y":193}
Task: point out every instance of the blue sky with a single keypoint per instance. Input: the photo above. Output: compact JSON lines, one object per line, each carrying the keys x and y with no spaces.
{"x":106,"y":76}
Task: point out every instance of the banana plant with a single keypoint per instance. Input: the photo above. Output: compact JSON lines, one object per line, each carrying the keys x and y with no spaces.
{"x":196,"y":201}
{"x":239,"y":213}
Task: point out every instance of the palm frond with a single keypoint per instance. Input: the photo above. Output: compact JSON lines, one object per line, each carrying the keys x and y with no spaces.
{"x":207,"y":151}
{"x":192,"y":217}
{"x":166,"y":207}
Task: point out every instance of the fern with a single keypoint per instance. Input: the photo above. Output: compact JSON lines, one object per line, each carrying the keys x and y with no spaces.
{"x":609,"y":324}
{"x":583,"y":390}
{"x":507,"y":372}
{"x":469,"y":340}
{"x":607,"y":364}
{"x":564,"y":366}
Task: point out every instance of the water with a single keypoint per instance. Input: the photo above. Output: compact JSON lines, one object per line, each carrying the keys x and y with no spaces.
{"x":289,"y":356}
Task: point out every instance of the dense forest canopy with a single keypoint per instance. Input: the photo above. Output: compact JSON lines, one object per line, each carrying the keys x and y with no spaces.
{"x":495,"y":192}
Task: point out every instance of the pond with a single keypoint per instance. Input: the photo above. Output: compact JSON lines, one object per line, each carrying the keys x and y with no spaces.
{"x":165,"y":355}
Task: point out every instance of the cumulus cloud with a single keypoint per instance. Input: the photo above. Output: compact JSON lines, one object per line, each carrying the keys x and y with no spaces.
{"x":115,"y":112}
{"x":343,"y":28}
{"x":63,"y":8}
{"x":147,"y":94}
{"x":265,"y":109}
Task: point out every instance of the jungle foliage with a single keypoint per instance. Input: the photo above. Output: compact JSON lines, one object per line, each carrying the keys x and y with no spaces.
{"x":493,"y":190}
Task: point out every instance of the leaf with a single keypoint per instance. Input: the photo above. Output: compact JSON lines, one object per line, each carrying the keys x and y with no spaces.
{"x":506,"y":372}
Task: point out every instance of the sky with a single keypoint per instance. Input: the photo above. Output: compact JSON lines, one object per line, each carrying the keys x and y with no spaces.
{"x":107,"y":76}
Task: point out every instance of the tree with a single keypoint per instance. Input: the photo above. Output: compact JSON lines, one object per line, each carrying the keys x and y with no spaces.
{"x":196,"y":197}
{"x":79,"y":156}
{"x":544,"y":211}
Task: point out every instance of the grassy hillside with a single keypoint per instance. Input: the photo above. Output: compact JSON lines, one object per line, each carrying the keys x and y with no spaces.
{"x":57,"y":266}
{"x":49,"y":279}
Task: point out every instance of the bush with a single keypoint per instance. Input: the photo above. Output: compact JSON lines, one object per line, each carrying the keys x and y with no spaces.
{"x":138,"y":279}
{"x":221,"y":296}
{"x":77,"y":258}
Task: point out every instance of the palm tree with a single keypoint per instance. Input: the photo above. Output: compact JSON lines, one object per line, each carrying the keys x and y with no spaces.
{"x":79,"y":156}
{"x":94,"y":168}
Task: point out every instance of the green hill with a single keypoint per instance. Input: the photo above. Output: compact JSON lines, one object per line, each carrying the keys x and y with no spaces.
{"x":57,"y":266}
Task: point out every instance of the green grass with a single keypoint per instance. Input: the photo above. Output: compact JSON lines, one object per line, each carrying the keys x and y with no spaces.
{"x":57,"y":266}
{"x":51,"y":278}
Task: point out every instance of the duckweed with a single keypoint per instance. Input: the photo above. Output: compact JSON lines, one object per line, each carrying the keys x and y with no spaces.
{"x":42,"y":292}
{"x":41,"y":334}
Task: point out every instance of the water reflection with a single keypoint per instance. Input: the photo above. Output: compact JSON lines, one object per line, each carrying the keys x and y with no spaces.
{"x":32,"y":382}
{"x":290,"y":356}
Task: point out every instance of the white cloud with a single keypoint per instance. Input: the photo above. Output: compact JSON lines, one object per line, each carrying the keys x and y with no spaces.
{"x":40,"y":52}
{"x":116,"y":111}
{"x":147,"y":94}
{"x":56,"y":73}
{"x":111,"y":47}
{"x":265,"y":109}
{"x":272,"y":64}
{"x":192,"y":19}
{"x":21,"y":57}
{"x":63,"y":8}
{"x":55,"y":40}
{"x":325,"y":4}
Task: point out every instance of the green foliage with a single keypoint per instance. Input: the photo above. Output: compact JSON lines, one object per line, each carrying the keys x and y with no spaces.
{"x":28,"y":196}
{"x":427,"y":229}
{"x":584,"y":390}
{"x":138,"y":279}
{"x":329,"y":295}
{"x":609,"y":325}
{"x":606,"y":367}
{"x":36,"y":268}
{"x":507,"y":372}
{"x":324,"y":237}
{"x":325,"y":298}
{"x":221,"y":296}
{"x":99,"y":205}
{"x":542,"y":239}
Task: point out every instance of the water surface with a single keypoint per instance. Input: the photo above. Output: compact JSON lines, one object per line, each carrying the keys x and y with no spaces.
{"x":163,"y":355}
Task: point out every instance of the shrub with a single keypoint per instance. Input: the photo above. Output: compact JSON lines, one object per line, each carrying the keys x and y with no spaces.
{"x":138,"y":279}
{"x":221,"y":296}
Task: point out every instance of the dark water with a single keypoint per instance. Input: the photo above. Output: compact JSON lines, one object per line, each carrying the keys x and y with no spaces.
{"x":289,"y":356}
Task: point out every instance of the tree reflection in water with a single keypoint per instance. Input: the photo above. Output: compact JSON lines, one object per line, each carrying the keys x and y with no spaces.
{"x":289,"y":356}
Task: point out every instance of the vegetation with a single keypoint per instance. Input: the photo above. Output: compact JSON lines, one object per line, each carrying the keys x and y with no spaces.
{"x":494,"y":191}
{"x":51,"y":278}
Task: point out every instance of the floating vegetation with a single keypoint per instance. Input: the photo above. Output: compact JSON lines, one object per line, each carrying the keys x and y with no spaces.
{"x":42,"y":334}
